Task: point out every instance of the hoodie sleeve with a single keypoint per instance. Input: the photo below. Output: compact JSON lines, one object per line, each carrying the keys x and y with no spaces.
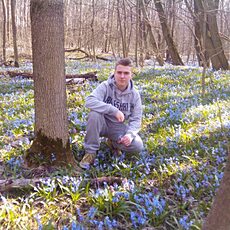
{"x":135,"y":118}
{"x":95,"y":101}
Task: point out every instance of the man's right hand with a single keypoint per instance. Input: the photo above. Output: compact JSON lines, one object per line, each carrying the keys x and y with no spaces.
{"x":120,"y":116}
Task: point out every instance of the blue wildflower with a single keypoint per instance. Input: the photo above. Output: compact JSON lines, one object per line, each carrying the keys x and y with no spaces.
{"x":92,"y":212}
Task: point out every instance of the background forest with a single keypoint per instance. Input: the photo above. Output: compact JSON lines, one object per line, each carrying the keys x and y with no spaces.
{"x":176,"y":31}
{"x":181,"y":52}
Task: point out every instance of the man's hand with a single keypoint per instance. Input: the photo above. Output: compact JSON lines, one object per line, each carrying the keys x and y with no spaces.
{"x":120,"y":116}
{"x":125,"y":140}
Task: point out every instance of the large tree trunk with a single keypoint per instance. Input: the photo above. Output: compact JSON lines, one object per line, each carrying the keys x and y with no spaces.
{"x":218,"y":58}
{"x":4,"y":31}
{"x":212,"y":42}
{"x":176,"y":60}
{"x":51,"y":144}
{"x":218,"y":217}
{"x":14,"y":31}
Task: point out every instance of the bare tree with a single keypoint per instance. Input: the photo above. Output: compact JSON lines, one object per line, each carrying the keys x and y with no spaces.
{"x":108,"y":28}
{"x":176,"y":60}
{"x":51,"y":144}
{"x":4,"y":31}
{"x":122,"y":27}
{"x":115,"y":31}
{"x":14,"y":30}
{"x":211,"y":37}
{"x":152,"y":39}
{"x":8,"y":19}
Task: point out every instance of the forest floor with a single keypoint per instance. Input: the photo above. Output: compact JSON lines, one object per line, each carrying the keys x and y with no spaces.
{"x":169,"y":185}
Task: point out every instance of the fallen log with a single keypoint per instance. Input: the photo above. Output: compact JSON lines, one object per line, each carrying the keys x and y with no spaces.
{"x":75,"y":81}
{"x":22,"y":183}
{"x":7,"y":63}
{"x":87,"y":55}
{"x":87,"y":76}
{"x":18,"y":74}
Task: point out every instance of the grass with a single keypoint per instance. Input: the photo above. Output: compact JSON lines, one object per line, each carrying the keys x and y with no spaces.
{"x":169,"y":185}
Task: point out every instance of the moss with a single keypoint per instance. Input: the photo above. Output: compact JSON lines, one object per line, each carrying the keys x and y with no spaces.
{"x":48,"y":151}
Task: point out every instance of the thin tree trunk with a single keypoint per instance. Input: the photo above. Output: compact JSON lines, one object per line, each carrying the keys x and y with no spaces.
{"x":143,"y":37}
{"x":14,"y":30}
{"x":111,"y":26}
{"x":80,"y":26}
{"x":137,"y":32}
{"x":176,"y":60}
{"x":92,"y":32}
{"x":4,"y":31}
{"x":8,"y":29}
{"x":122,"y":29}
{"x":201,"y":53}
{"x":152,"y":39}
{"x":107,"y":32}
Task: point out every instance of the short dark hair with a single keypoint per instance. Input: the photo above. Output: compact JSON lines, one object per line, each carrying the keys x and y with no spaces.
{"x":124,"y":62}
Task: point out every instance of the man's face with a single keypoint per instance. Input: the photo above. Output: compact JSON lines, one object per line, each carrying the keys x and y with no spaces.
{"x":122,"y":75}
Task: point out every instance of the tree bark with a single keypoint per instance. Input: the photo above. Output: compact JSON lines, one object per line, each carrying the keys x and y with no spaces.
{"x":51,"y":144}
{"x":14,"y":31}
{"x":211,"y":37}
{"x":176,"y":60}
{"x":199,"y":43}
{"x":218,"y":217}
{"x":218,"y":58}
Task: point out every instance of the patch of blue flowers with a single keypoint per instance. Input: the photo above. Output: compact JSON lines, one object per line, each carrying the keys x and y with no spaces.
{"x":182,"y":163}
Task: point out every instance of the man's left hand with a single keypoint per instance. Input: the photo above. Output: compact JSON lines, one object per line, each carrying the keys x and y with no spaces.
{"x":125,"y":140}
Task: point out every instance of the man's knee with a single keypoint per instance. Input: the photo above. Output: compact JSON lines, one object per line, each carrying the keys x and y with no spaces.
{"x":138,"y":144}
{"x":94,"y":115}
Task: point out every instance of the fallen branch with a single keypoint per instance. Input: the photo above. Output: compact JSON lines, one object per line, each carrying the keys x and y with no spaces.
{"x":75,"y":81}
{"x":87,"y":55}
{"x":17,"y":74}
{"x":89,"y":76}
{"x":7,"y":63}
{"x":10,"y":184}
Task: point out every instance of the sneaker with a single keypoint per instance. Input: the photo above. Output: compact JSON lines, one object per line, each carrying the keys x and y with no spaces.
{"x":116,"y":152}
{"x":87,"y":160}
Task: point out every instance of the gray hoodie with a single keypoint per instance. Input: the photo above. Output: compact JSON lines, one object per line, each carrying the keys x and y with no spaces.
{"x":108,"y":99}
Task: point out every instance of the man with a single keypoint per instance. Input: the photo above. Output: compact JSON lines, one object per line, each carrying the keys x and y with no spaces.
{"x":116,"y":113}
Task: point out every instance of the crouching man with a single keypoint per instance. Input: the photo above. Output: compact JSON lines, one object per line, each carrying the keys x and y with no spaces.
{"x":115,"y":112}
